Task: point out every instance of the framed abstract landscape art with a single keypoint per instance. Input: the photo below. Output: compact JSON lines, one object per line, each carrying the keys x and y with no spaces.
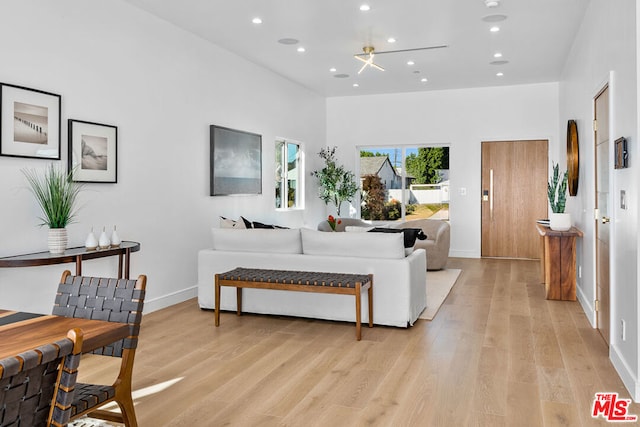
{"x":29,"y":122}
{"x":93,"y":151}
{"x":236,"y":162}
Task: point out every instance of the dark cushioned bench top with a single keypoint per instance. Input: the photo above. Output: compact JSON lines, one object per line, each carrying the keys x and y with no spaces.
{"x":311,"y":278}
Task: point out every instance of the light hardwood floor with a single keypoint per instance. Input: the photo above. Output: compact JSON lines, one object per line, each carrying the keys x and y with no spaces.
{"x":496,"y":354}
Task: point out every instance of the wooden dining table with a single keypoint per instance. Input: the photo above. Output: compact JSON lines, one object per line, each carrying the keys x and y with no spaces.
{"x":20,"y":331}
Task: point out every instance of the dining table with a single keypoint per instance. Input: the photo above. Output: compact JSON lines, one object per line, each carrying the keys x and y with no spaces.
{"x":22,"y":331}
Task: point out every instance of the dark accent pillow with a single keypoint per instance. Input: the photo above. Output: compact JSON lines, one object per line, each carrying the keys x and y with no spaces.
{"x":257,"y":224}
{"x":247,"y":223}
{"x":410,"y":234}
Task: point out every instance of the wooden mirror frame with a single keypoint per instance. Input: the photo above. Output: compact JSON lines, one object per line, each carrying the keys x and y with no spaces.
{"x":573,"y":158}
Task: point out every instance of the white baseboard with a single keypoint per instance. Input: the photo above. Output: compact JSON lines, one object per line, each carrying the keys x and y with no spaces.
{"x":164,"y":301}
{"x":454,"y":253}
{"x":629,"y":380}
{"x":587,"y":307}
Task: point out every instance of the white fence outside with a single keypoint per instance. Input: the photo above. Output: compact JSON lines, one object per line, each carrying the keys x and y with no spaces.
{"x":423,"y":193}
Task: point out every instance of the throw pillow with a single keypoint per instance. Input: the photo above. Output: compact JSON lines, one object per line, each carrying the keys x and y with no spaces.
{"x":229,"y":223}
{"x":257,"y":224}
{"x":357,"y":229}
{"x":247,"y":223}
{"x":410,"y":234}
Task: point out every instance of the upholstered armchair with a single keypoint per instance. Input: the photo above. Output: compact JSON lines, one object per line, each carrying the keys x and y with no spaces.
{"x":437,"y":241}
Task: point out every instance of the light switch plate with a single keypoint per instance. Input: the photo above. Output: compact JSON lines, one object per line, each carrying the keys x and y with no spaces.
{"x":623,"y":199}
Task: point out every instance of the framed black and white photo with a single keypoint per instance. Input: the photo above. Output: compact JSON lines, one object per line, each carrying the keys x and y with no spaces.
{"x":93,"y":151}
{"x":236,"y":162}
{"x":29,"y":122}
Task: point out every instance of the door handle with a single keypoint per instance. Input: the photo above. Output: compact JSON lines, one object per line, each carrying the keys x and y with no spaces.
{"x":606,"y":219}
{"x":491,"y":194}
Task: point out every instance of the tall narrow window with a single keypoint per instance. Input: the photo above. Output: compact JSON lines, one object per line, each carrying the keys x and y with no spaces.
{"x":288,"y":175}
{"x":404,"y":182}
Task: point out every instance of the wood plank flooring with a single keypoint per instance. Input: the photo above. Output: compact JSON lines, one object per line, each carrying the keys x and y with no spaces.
{"x":496,"y":354}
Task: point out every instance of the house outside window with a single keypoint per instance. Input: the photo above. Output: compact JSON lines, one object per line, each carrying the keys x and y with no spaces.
{"x":289,"y":173}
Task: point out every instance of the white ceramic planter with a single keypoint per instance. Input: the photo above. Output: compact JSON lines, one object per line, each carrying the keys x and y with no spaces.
{"x":57,"y":240}
{"x":560,"y":221}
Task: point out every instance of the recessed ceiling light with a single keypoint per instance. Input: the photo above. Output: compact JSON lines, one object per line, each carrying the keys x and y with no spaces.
{"x":332,"y":69}
{"x":497,"y":55}
{"x":500,"y":74}
{"x":494,"y":29}
{"x":391,"y":40}
{"x":356,"y":85}
{"x":494,"y":18}
{"x":256,"y":20}
{"x":365,"y":8}
{"x":288,"y":41}
{"x":301,"y":49}
{"x":492,"y":3}
{"x":424,"y":80}
{"x":410,"y":62}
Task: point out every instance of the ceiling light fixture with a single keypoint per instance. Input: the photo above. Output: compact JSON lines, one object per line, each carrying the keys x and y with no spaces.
{"x":301,"y":49}
{"x":410,"y":62}
{"x":356,"y":85}
{"x":494,"y":29}
{"x":497,"y":55}
{"x":391,"y":40}
{"x":332,"y":70}
{"x":365,"y":8}
{"x":424,"y":80}
{"x":492,"y":3}
{"x":500,"y":74}
{"x":288,"y":41}
{"x":256,"y":20}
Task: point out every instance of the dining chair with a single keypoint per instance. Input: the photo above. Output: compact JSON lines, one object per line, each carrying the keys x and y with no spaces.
{"x":113,"y":300}
{"x":37,"y":386}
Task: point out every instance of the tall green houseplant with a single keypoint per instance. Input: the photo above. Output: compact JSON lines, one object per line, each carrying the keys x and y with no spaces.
{"x":335,"y":183}
{"x":557,"y":190}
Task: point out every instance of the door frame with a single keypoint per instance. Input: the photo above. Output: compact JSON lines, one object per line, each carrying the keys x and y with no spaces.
{"x":607,"y":82}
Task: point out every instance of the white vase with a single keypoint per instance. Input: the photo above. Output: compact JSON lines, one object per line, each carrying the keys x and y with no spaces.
{"x":560,"y":221}
{"x":57,"y":240}
{"x":91,"y":243}
{"x":103,"y":241}
{"x":115,"y":239}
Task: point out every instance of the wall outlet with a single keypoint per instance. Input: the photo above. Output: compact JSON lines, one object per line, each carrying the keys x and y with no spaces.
{"x":623,"y":330}
{"x":462,"y":191}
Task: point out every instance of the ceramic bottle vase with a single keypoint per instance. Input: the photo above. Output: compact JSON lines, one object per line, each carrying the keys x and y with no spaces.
{"x":115,"y":239}
{"x":103,"y":241}
{"x":91,"y":243}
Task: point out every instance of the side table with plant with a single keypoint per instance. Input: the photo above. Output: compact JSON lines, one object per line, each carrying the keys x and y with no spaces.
{"x":557,"y":195}
{"x":56,"y":194}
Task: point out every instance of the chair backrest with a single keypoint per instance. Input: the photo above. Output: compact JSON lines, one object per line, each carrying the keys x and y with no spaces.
{"x":37,"y":386}
{"x":113,"y":300}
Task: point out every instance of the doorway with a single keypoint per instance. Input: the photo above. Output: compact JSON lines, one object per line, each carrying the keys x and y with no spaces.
{"x":514,"y":196}
{"x":601,"y":137}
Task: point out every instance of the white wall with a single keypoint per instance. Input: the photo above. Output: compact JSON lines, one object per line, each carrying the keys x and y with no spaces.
{"x":462,"y":118}
{"x":605,"y":50}
{"x":162,"y":88}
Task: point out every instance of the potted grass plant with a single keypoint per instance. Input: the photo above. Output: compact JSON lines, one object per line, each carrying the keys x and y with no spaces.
{"x":336,"y":184}
{"x":557,"y":194}
{"x":56,"y":194}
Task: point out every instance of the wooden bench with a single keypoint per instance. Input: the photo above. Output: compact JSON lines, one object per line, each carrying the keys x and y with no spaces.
{"x":302,"y":281}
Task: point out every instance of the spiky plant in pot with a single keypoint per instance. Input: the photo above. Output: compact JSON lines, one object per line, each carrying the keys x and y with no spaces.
{"x":557,"y":195}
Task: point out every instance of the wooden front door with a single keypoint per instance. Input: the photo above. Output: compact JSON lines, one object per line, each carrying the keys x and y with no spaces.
{"x":601,"y":112}
{"x":514,"y":196}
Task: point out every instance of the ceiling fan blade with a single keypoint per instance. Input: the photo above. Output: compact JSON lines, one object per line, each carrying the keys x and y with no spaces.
{"x":376,"y":66}
{"x":360,"y":59}
{"x":363,"y":67}
{"x":413,"y":49}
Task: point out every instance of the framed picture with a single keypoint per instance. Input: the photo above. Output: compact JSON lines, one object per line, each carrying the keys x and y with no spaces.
{"x":29,"y":122}
{"x":93,"y":151}
{"x":622,"y":155}
{"x":236,"y":162}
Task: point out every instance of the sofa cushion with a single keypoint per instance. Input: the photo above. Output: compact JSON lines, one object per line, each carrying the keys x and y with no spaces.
{"x":368,"y":245}
{"x":257,"y":240}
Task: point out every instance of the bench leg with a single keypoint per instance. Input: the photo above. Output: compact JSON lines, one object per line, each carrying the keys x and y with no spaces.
{"x":239,"y":301}
{"x":370,"y":290}
{"x":358,"y":312}
{"x":217,"y":295}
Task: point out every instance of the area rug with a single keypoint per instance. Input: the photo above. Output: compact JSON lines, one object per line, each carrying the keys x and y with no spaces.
{"x":439,"y":284}
{"x":89,"y":422}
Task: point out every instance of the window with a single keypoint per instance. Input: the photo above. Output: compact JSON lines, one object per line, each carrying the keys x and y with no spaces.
{"x":404,"y":182}
{"x":289,"y":186}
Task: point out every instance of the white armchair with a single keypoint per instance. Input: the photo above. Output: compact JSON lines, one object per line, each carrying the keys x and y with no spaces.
{"x":437,"y":243}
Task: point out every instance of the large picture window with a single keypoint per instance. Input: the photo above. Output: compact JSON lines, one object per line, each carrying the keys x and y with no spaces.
{"x":289,"y":186}
{"x":404,"y":182}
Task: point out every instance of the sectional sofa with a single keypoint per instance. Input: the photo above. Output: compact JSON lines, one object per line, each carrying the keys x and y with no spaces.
{"x":399,"y":292}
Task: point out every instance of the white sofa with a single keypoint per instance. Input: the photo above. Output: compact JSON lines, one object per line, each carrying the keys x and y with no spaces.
{"x":399,"y":281}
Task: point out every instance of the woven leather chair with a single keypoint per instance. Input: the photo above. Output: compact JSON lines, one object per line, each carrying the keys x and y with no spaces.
{"x":36,"y":387}
{"x":113,"y":300}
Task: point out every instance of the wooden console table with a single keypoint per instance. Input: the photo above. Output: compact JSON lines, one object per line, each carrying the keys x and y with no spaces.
{"x":558,"y":262}
{"x":76,"y":255}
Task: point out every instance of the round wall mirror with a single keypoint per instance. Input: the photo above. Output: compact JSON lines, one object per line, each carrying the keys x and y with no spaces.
{"x":573,"y":158}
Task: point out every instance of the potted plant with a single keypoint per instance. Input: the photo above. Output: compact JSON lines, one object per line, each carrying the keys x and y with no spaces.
{"x":336,"y":184}
{"x":557,"y":194}
{"x":56,"y":194}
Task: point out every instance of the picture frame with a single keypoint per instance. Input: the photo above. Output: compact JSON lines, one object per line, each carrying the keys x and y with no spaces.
{"x":93,"y":151}
{"x":621,"y":153}
{"x":235,"y":162}
{"x":29,"y":122}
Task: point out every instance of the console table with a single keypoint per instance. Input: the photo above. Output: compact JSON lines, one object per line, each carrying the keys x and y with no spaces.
{"x":76,"y":255}
{"x":558,"y":262}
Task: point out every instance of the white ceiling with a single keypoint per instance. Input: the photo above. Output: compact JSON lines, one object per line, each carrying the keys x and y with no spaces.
{"x":535,"y":39}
